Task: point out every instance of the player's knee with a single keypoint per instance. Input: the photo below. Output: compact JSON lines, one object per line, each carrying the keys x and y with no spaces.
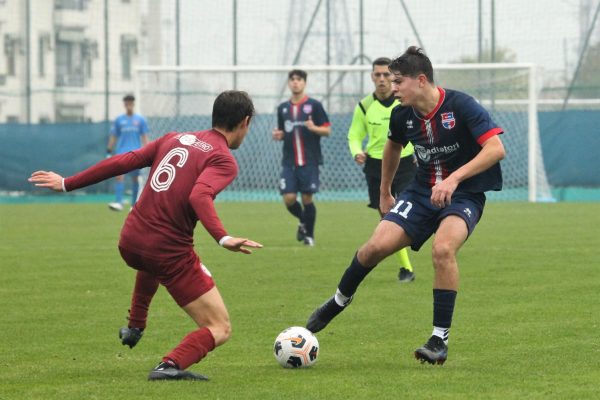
{"x":442,"y":253}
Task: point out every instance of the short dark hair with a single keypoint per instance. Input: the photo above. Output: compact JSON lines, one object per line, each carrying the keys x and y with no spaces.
{"x":381,"y":61}
{"x":230,"y":108}
{"x":129,"y":97}
{"x":297,"y":72}
{"x":413,"y":62}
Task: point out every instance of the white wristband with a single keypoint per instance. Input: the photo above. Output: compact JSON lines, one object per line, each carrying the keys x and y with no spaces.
{"x":63,"y":185}
{"x":224,"y":239}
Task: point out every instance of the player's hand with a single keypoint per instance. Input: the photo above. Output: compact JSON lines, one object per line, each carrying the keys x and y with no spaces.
{"x":441,"y":193}
{"x":386,"y":202}
{"x":240,"y":244}
{"x":47,"y":179}
{"x":360,"y":158}
{"x":310,"y":124}
{"x":277,"y":134}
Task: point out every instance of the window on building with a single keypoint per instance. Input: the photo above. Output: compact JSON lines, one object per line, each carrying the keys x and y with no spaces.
{"x":44,"y":46}
{"x":74,"y":54}
{"x":128,"y":51}
{"x":70,"y":4}
{"x":11,"y":46}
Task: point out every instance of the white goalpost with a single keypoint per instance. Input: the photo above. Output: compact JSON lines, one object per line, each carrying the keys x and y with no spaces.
{"x":179,"y":98}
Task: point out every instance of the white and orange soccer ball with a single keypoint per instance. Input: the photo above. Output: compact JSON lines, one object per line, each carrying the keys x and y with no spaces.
{"x":296,"y":347}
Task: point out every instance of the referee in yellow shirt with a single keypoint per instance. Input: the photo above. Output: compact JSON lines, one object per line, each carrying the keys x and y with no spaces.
{"x":371,"y":119}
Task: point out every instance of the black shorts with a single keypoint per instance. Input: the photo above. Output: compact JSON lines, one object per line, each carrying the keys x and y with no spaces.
{"x":405,"y":174}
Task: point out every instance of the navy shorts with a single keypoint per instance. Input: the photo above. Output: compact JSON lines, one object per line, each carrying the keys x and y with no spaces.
{"x":299,"y":179}
{"x":420,"y":219}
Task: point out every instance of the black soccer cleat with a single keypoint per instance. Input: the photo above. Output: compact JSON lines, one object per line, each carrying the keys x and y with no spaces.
{"x":319,"y":319}
{"x":435,"y":351}
{"x":167,"y":372}
{"x":301,"y":232}
{"x":405,"y":275}
{"x":130,"y":336}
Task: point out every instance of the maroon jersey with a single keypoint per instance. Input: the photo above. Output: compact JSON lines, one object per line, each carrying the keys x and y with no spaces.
{"x":188,"y":171}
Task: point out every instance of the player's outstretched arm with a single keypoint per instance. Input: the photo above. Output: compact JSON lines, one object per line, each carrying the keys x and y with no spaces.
{"x":240,"y":245}
{"x":47,"y":179}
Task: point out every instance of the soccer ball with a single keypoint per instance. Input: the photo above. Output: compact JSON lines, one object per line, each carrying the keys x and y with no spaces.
{"x":296,"y":347}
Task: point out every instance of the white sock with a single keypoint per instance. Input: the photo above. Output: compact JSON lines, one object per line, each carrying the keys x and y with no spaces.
{"x":340,"y":299}
{"x":441,"y":333}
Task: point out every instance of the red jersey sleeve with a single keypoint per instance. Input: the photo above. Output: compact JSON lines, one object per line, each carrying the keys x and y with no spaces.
{"x":114,"y":166}
{"x":218,"y":174}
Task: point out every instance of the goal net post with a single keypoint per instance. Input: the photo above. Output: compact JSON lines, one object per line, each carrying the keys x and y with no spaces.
{"x":180,"y":98}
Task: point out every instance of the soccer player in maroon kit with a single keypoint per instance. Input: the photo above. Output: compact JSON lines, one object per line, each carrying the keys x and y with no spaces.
{"x":187,"y":171}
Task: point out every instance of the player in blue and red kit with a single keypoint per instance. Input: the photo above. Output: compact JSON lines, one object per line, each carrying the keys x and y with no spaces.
{"x":187,"y":171}
{"x":458,"y":151}
{"x":301,"y":122}
{"x":129,"y":132}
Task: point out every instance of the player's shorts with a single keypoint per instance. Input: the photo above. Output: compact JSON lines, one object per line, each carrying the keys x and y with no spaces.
{"x":420,"y":219}
{"x":185,"y":277}
{"x":404,"y":176}
{"x":299,"y":179}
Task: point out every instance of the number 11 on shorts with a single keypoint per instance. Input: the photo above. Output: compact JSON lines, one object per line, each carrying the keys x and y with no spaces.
{"x":403,"y":213}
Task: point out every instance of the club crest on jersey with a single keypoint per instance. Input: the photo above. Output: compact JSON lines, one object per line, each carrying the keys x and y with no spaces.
{"x":307,"y":108}
{"x":448,"y":120}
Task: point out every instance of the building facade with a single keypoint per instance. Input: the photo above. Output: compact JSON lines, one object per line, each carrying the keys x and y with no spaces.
{"x":66,"y":60}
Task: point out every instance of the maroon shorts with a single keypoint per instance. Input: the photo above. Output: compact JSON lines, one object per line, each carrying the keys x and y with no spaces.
{"x":185,"y":277}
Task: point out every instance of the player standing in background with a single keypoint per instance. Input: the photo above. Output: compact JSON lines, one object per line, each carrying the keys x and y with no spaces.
{"x":129,"y":132}
{"x":301,"y":122}
{"x":187,"y":171}
{"x":372,"y":119}
{"x":458,"y":151}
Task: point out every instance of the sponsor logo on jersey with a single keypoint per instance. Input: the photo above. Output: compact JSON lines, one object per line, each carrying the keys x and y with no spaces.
{"x":289,"y":126}
{"x":448,"y":120}
{"x":284,"y":110}
{"x":425,"y":154}
{"x":191,"y":140}
{"x":307,"y":108}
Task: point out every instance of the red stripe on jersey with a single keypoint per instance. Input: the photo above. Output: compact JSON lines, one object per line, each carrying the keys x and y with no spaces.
{"x":326,"y":124}
{"x":438,"y":105}
{"x":302,"y":100}
{"x":489,"y":134}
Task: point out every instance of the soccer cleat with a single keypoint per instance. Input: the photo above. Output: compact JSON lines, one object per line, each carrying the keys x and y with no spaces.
{"x":301,"y":232}
{"x":308,"y":241}
{"x":435,"y":351}
{"x":405,"y":275}
{"x":115,"y":206}
{"x":319,"y":319}
{"x":167,"y":372}
{"x":130,"y":336}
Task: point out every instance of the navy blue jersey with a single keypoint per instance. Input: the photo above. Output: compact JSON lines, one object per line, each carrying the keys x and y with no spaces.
{"x":448,"y":138}
{"x":301,"y":146}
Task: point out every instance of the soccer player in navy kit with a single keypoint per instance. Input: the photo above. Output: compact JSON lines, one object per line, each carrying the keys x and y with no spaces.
{"x":128,"y":132}
{"x":458,"y":151}
{"x":187,"y":171}
{"x":301,"y":122}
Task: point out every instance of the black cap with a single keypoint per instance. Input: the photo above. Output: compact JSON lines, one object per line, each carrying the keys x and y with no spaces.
{"x":129,"y":97}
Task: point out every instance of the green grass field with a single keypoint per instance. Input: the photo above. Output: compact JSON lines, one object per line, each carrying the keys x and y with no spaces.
{"x":525,"y":326}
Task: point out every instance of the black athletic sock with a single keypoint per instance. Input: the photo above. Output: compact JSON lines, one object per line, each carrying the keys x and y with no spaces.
{"x":352,"y":277}
{"x":309,"y":217}
{"x":296,"y":210}
{"x":443,"y":307}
